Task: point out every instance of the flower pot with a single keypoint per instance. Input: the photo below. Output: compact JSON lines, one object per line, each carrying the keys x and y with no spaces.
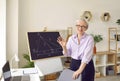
{"x":94,"y":49}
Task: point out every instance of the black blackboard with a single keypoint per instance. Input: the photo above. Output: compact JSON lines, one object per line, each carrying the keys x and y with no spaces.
{"x":44,"y":45}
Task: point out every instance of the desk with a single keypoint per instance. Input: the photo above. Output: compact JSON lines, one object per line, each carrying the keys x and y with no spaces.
{"x":19,"y":72}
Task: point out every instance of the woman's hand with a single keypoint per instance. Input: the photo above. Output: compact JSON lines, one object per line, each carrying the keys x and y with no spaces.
{"x":61,"y":41}
{"x":76,"y":74}
{"x":79,"y":71}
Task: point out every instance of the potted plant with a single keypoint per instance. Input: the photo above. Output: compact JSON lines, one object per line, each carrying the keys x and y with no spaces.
{"x":29,"y":62}
{"x":97,"y":39}
{"x":118,"y":22}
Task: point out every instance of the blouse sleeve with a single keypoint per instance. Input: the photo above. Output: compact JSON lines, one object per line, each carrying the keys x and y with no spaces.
{"x":88,"y":53}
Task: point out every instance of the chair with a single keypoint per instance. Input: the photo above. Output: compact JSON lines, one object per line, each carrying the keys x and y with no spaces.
{"x":66,"y":75}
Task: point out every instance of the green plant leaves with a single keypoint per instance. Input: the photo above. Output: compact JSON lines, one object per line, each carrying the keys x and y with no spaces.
{"x":97,"y":38}
{"x":118,"y":22}
{"x":29,"y":63}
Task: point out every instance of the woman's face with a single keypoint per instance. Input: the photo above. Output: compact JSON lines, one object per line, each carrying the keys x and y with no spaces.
{"x":81,"y":27}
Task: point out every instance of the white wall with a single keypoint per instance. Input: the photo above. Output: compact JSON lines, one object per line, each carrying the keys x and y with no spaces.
{"x":60,"y":14}
{"x":2,"y":33}
{"x":12,"y":30}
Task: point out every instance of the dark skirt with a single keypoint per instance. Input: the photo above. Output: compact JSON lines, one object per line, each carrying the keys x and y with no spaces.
{"x":89,"y":71}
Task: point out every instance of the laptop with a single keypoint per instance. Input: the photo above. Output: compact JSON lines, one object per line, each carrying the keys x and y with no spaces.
{"x":66,"y":75}
{"x":7,"y":74}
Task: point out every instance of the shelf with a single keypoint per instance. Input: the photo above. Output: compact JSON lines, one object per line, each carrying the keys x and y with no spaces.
{"x":105,"y":52}
{"x":110,"y":64}
{"x":118,"y":50}
{"x":104,"y":59}
{"x":114,"y":28}
{"x":112,"y":39}
{"x":100,"y":60}
{"x":101,"y":70}
{"x":113,"y":50}
{"x":111,"y":59}
{"x":118,"y":54}
{"x":114,"y":46}
{"x":101,"y":53}
{"x":99,"y":65}
{"x":118,"y":60}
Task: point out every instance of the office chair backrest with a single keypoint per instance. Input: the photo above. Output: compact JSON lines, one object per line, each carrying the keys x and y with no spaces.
{"x":66,"y":75}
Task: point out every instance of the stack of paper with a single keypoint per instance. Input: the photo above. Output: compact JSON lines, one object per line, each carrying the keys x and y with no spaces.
{"x":30,"y":71}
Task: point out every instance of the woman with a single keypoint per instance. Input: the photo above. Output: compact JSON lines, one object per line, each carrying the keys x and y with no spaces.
{"x":80,"y":48}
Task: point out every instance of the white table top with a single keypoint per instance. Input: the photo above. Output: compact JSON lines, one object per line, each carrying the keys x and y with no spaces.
{"x":34,"y":76}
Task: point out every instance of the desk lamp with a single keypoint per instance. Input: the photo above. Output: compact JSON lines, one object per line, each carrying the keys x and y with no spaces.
{"x":15,"y":57}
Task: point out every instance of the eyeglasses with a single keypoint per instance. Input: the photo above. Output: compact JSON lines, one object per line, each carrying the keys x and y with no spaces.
{"x":83,"y":27}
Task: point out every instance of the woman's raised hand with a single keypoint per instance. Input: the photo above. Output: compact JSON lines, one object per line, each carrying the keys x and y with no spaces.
{"x":61,"y":41}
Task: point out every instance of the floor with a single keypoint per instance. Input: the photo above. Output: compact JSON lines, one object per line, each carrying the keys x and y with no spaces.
{"x":108,"y":78}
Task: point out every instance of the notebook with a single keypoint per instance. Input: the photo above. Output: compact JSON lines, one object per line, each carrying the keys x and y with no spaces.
{"x":7,"y":74}
{"x":66,"y":75}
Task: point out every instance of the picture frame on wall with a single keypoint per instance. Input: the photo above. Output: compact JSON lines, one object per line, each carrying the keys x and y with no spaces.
{"x":87,"y":15}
